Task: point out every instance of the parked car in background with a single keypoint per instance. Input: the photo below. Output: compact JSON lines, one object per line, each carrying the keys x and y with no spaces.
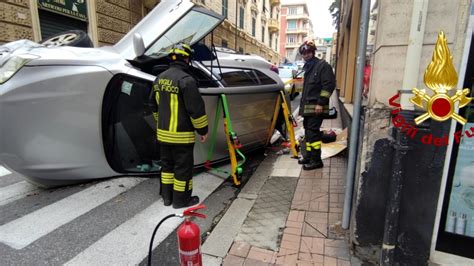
{"x":292,"y":79}
{"x":70,"y":114}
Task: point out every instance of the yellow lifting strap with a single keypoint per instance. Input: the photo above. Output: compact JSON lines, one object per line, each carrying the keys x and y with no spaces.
{"x":289,"y":121}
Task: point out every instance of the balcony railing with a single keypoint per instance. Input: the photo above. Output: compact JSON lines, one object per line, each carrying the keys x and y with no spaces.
{"x":275,"y":2}
{"x":297,"y":16}
{"x":291,"y":45}
{"x":273,"y":25}
{"x":297,"y":31}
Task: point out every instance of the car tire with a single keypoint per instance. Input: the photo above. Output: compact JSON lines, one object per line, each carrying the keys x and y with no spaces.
{"x":76,"y":38}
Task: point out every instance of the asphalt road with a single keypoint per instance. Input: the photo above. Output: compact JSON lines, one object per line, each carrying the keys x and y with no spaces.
{"x":102,"y":222}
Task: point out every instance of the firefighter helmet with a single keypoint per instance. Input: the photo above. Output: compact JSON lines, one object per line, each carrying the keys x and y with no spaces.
{"x":180,"y":51}
{"x":307,"y":46}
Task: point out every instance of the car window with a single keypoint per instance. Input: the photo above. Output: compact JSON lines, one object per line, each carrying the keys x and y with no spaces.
{"x":264,"y":79}
{"x":189,"y":29}
{"x":234,"y":77}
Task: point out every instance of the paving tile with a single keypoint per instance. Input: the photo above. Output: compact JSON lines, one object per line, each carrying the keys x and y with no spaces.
{"x":312,"y":245}
{"x":336,"y":249}
{"x":284,"y":251}
{"x":291,"y":238}
{"x":290,"y":245}
{"x":240,"y":249}
{"x":292,"y":231}
{"x":343,"y":262}
{"x":252,"y":262}
{"x":264,"y":222}
{"x":260,"y":254}
{"x":294,"y":224}
{"x":231,"y":260}
{"x":329,"y":261}
{"x":290,"y":259}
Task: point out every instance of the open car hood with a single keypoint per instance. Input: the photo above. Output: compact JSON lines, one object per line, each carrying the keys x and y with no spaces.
{"x":170,"y":22}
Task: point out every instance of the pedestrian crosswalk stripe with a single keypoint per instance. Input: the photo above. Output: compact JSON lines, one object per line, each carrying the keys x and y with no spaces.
{"x":128,"y":243}
{"x":22,"y":232}
{"x":4,"y":171}
{"x":16,"y":191}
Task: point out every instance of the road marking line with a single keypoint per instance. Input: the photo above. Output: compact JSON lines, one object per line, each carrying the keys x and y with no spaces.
{"x":16,"y":191}
{"x":4,"y":171}
{"x":128,"y":244}
{"x":22,"y":232}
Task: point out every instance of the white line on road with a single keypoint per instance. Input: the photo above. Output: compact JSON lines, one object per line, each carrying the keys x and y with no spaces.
{"x":16,"y":191}
{"x":128,"y":244}
{"x":4,"y":171}
{"x":21,"y":232}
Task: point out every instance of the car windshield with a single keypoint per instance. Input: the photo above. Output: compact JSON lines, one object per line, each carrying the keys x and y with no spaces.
{"x":285,"y":73}
{"x":190,"y":29}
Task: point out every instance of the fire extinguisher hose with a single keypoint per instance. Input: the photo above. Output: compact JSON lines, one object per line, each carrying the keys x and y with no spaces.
{"x":153,"y":236}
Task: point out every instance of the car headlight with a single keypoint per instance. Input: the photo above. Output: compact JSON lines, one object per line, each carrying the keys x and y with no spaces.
{"x":12,"y":65}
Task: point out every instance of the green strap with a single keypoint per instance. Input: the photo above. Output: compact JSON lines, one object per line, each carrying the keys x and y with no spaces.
{"x":229,"y":124}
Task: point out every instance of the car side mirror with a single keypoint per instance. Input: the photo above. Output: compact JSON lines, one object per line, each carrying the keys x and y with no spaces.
{"x":138,"y":45}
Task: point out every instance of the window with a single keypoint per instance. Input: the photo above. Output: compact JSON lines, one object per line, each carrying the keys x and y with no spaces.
{"x":224,"y":43}
{"x":234,"y":77}
{"x":225,"y":7}
{"x":291,"y":25}
{"x":239,"y":77}
{"x":190,"y":28}
{"x":292,"y":11}
{"x":254,"y":22}
{"x":263,"y":34}
{"x":264,"y":79}
{"x":241,"y":50}
{"x":264,"y":9}
{"x":241,"y":17}
{"x":291,"y":39}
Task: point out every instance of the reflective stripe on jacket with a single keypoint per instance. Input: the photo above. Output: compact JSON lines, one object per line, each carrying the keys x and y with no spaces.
{"x":180,"y":106}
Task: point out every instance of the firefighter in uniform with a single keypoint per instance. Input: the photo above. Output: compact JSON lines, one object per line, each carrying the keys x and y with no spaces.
{"x":180,"y":113}
{"x":319,"y":83}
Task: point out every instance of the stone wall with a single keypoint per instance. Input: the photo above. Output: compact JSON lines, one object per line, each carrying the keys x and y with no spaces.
{"x":115,"y":18}
{"x":15,"y":21}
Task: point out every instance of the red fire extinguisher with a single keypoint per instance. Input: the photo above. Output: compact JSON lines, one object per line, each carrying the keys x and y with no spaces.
{"x":189,"y":238}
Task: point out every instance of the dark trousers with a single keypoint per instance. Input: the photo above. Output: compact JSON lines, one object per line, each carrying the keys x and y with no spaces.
{"x":177,"y":173}
{"x":313,"y":135}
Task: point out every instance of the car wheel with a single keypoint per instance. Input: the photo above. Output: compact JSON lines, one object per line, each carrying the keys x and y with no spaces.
{"x":75,"y":38}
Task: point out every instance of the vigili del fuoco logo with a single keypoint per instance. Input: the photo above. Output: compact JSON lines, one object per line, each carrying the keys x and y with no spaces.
{"x":440,"y":77}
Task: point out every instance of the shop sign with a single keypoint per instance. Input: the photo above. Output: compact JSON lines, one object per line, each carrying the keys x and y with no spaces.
{"x":72,"y":8}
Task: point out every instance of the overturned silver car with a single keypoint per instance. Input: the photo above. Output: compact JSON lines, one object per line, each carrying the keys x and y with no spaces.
{"x":70,"y":114}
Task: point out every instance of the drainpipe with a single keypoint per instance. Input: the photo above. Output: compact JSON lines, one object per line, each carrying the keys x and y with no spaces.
{"x":401,"y":145}
{"x":353,"y":145}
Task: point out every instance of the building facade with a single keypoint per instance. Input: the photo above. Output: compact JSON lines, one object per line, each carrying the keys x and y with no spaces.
{"x":251,"y":26}
{"x":323,"y":48}
{"x":413,"y":188}
{"x":295,"y":27}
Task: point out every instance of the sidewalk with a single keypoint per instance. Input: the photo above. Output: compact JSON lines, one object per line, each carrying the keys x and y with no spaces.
{"x":285,"y":216}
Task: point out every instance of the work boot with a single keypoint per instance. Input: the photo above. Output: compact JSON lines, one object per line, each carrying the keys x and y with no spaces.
{"x":306,"y":158}
{"x":167,"y":202}
{"x":192,"y":201}
{"x":303,"y":160}
{"x":315,"y":161}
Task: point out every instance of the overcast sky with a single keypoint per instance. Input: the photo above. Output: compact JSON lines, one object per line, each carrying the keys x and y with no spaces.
{"x":320,"y":16}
